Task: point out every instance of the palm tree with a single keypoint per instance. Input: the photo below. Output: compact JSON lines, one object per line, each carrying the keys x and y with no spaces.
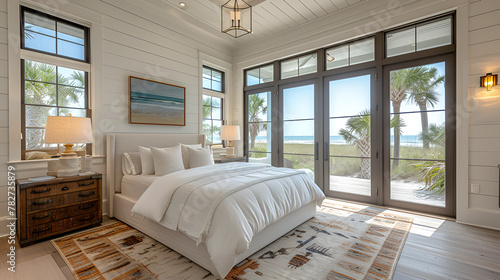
{"x":435,"y":135}
{"x":358,"y":133}
{"x":208,"y":129}
{"x":256,"y":106}
{"x":422,"y":93}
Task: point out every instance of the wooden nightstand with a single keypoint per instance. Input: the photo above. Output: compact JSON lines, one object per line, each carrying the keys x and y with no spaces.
{"x":226,"y":160}
{"x":57,"y":206}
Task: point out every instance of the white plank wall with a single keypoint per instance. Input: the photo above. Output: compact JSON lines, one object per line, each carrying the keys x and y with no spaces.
{"x":134,"y":42}
{"x":4,"y":115}
{"x":484,"y":124}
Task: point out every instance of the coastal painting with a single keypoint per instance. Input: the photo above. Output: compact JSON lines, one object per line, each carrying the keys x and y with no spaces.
{"x":156,"y":103}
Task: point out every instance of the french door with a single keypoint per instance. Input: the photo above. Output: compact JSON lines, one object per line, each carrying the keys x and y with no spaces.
{"x":419,"y":135}
{"x":351,"y":162}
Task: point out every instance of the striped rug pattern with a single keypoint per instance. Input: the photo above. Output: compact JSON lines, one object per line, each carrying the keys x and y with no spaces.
{"x":343,"y":241}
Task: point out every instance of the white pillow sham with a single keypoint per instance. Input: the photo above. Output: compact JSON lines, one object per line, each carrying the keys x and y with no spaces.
{"x":200,"y":157}
{"x":167,"y":160}
{"x":185,"y":153}
{"x":148,"y":167}
{"x":131,"y":163}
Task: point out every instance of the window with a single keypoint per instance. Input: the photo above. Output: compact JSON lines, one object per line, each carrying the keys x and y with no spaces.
{"x":213,"y":79}
{"x":48,"y":88}
{"x":303,"y":65}
{"x":350,"y":54}
{"x":260,"y":75}
{"x":51,"y":35}
{"x":427,"y":35}
{"x":212,"y":118}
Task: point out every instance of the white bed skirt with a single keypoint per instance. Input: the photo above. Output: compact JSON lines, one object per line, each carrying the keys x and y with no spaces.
{"x":199,"y":254}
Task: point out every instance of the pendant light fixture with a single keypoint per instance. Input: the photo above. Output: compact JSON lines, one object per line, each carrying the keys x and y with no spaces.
{"x":236,"y":18}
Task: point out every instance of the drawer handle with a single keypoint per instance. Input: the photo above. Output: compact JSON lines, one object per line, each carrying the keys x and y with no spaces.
{"x":35,"y":231}
{"x":86,"y":194}
{"x":35,"y":203}
{"x":65,"y":189}
{"x":86,"y":207}
{"x":86,"y":219}
{"x":42,"y":216}
{"x":86,"y":184}
{"x":41,"y":191}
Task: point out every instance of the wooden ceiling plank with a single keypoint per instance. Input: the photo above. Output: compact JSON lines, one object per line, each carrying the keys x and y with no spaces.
{"x":301,"y":9}
{"x":279,"y":14}
{"x":340,"y":4}
{"x":314,"y":7}
{"x":287,"y":9}
{"x":327,"y":5}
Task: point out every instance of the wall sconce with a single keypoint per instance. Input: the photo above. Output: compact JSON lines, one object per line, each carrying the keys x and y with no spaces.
{"x":489,"y":81}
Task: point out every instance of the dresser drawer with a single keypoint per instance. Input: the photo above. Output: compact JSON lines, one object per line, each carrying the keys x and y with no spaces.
{"x":62,"y":199}
{"x":50,"y":190}
{"x":61,"y":213}
{"x":62,"y":225}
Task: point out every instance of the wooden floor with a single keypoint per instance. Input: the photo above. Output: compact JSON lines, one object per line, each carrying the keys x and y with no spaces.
{"x":436,"y":249}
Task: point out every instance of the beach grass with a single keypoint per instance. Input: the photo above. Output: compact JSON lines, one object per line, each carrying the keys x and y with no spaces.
{"x":405,"y":171}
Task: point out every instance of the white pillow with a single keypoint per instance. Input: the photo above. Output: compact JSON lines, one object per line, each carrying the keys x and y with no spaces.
{"x":147,"y":163}
{"x":200,"y":157}
{"x":185,"y":153}
{"x":167,"y":160}
{"x":131,"y":163}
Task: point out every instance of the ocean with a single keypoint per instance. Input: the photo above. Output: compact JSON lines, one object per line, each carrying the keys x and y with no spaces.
{"x":406,"y":140}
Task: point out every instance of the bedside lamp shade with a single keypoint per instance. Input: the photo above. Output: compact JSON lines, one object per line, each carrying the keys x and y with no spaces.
{"x":63,"y":130}
{"x":230,"y":132}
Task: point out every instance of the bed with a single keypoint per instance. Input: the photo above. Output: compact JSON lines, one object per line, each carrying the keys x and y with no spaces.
{"x":125,"y":190}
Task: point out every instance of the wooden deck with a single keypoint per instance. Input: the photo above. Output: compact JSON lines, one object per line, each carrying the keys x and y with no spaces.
{"x":435,"y":249}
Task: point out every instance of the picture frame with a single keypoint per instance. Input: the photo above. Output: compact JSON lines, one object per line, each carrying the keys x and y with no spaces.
{"x":156,"y":103}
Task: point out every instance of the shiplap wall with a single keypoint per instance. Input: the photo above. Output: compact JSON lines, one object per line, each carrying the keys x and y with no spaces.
{"x":134,"y":42}
{"x":484,"y":107}
{"x":4,"y":114}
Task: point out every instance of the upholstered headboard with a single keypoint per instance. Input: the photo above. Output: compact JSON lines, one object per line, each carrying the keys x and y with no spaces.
{"x":117,"y":144}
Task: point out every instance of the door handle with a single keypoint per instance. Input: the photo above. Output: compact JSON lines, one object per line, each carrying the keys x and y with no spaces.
{"x":316,"y":151}
{"x":326,"y":151}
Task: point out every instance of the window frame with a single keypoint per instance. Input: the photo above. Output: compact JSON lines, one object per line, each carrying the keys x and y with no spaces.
{"x":223,"y":79}
{"x":58,"y":61}
{"x":86,"y":44}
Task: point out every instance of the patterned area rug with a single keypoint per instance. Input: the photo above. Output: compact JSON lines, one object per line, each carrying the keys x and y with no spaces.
{"x":343,"y":241}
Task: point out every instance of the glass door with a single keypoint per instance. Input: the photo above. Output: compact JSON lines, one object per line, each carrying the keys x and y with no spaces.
{"x":259,"y":119}
{"x":349,"y":143}
{"x":298,"y":127}
{"x":420,"y":166}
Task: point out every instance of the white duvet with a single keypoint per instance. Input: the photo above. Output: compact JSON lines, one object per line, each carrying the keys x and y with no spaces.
{"x":225,"y":205}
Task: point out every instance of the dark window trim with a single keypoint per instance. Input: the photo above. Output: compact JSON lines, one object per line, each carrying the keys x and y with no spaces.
{"x":86,"y":40}
{"x":223,"y":79}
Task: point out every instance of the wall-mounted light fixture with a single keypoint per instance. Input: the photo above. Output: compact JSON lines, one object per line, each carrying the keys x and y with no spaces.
{"x":489,"y":81}
{"x":236,"y":18}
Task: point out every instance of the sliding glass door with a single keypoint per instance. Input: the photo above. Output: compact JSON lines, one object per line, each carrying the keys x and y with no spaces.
{"x":348,"y":118}
{"x":259,"y":124}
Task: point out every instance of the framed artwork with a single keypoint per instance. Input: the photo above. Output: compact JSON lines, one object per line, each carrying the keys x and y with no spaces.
{"x":156,"y":103}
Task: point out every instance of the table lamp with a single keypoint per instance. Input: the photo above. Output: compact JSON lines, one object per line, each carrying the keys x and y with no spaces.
{"x":230,"y":133}
{"x":68,"y":131}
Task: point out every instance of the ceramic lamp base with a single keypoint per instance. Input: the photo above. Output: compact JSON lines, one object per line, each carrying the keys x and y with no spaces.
{"x":68,"y":166}
{"x":230,"y":152}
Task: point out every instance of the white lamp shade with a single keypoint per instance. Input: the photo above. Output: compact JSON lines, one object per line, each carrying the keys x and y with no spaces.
{"x":230,"y":132}
{"x":68,"y":130}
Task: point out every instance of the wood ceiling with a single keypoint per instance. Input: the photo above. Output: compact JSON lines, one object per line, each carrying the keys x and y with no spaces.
{"x":270,"y":17}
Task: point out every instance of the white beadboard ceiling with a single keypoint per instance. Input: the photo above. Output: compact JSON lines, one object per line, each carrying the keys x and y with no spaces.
{"x":270,"y":17}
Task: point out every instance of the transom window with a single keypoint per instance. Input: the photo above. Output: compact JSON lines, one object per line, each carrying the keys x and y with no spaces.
{"x":350,"y":54}
{"x":213,"y":79}
{"x":260,"y":75}
{"x":47,"y":34}
{"x":299,"y":66}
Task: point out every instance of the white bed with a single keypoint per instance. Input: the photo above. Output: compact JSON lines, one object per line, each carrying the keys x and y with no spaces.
{"x":124,"y":192}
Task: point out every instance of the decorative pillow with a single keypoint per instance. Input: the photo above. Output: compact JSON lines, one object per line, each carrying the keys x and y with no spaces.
{"x":200,"y":157}
{"x":147,"y":163}
{"x":131,"y":163}
{"x":36,"y":155}
{"x":167,"y":160}
{"x":185,"y":153}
